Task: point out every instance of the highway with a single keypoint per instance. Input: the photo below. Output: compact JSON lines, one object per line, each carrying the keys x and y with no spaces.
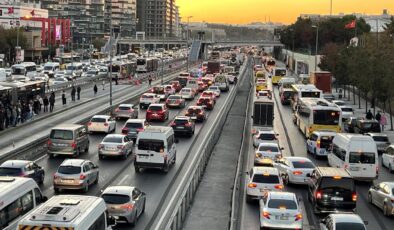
{"x":294,"y":144}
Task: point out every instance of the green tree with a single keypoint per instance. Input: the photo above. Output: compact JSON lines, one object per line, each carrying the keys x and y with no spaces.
{"x":98,"y":43}
{"x":8,"y":41}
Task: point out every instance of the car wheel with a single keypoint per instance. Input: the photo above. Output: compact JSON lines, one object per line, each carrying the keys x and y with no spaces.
{"x":77,"y":153}
{"x":369,"y":198}
{"x":87,"y":148}
{"x":307,"y":150}
{"x":141,"y":107}
{"x":286,"y":179}
{"x":315,"y":154}
{"x":390,"y":168}
{"x":42,"y":177}
{"x":97,"y":178}
{"x":51,"y":155}
{"x":124,"y":157}
{"x":137,"y":169}
{"x":386,"y":212}
{"x":56,"y":190}
{"x":101,"y":157}
{"x":143,"y":208}
{"x":166,"y":168}
{"x":249,"y":199}
{"x":86,"y":188}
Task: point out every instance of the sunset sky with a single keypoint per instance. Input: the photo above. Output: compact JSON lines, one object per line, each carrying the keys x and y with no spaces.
{"x":285,"y":11}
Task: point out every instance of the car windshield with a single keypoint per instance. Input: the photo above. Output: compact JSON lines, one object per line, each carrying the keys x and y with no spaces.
{"x":267,"y":136}
{"x":155,"y":108}
{"x":280,"y":72}
{"x":267,"y":179}
{"x":268,"y":148}
{"x":194,"y":110}
{"x":340,"y":103}
{"x":48,"y":67}
{"x":362,"y":158}
{"x":147,"y":96}
{"x":185,"y":91}
{"x":61,"y":134}
{"x":380,"y":138}
{"x":282,"y":204}
{"x":303,"y":164}
{"x":310,"y":94}
{"x":325,"y":117}
{"x":181,"y":121}
{"x":112,"y":139}
{"x":345,"y":109}
{"x":124,"y":108}
{"x":174,"y":97}
{"x":325,"y":141}
{"x":134,"y":125}
{"x":91,"y":72}
{"x":115,"y":198}
{"x":69,"y":170}
{"x":150,"y":144}
{"x":349,"y":226}
{"x":10,"y":171}
{"x":98,"y":119}
{"x":344,"y":183}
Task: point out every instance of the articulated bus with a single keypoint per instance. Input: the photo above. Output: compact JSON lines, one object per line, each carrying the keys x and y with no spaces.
{"x":122,"y":69}
{"x":304,"y":91}
{"x":66,"y":59}
{"x":314,"y":114}
{"x":145,"y":65}
{"x":277,"y":74}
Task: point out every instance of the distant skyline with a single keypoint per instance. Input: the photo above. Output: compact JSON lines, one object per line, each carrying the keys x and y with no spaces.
{"x":284,"y":11}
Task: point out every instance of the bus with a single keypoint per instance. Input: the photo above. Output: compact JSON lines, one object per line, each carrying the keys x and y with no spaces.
{"x":66,"y":59}
{"x":145,"y":65}
{"x":277,"y":74}
{"x":314,"y":114}
{"x":215,"y":55}
{"x":263,"y":114}
{"x":304,"y":91}
{"x":20,"y":72}
{"x":121,"y":69}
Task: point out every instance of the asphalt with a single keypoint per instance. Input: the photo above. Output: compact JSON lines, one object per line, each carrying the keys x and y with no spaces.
{"x":212,"y":203}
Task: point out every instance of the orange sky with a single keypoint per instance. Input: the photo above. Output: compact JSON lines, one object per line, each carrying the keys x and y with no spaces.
{"x":285,"y":11}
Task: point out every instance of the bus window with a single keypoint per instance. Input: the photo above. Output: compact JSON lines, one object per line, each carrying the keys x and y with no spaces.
{"x":325,"y":117}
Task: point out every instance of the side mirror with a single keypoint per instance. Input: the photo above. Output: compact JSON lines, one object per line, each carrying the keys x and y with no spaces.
{"x":176,"y":140}
{"x":282,"y":148}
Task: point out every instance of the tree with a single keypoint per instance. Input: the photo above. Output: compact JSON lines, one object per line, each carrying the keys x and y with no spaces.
{"x":8,"y":41}
{"x":98,"y":43}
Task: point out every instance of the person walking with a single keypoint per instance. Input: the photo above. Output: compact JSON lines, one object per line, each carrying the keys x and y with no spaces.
{"x":150,"y":80}
{"x":73,"y":91}
{"x":383,"y":121}
{"x":40,"y":103}
{"x":103,"y":83}
{"x":369,"y":115}
{"x":95,"y":89}
{"x":64,"y":100}
{"x":378,"y":116}
{"x":51,"y":102}
{"x":46,"y":103}
{"x":78,"y":93}
{"x":36,"y":106}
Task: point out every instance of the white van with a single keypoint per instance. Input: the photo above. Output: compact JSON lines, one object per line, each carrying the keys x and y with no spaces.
{"x":19,"y":72}
{"x":69,"y":212}
{"x":50,"y":68}
{"x":222,"y":82}
{"x":18,"y":195}
{"x":155,"y":148}
{"x":76,"y":68}
{"x":357,"y":154}
{"x":193,"y":84}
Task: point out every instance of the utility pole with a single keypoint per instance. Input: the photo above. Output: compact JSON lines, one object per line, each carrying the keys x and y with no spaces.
{"x":330,"y":7}
{"x":110,"y":55}
{"x":187,"y":44}
{"x":317,"y":44}
{"x":162,"y":61}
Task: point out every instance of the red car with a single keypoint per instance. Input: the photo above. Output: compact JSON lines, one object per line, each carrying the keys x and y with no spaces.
{"x":176,"y":85}
{"x":157,"y":112}
{"x":207,"y":80}
{"x":202,"y":86}
{"x":196,"y":113}
{"x":208,"y":93}
{"x":206,"y":102}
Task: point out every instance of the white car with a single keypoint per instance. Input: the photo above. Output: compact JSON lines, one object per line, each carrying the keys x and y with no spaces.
{"x":347,"y":112}
{"x":382,"y":195}
{"x":170,"y":89}
{"x":280,"y":210}
{"x":268,"y":150}
{"x":215,"y":89}
{"x":388,"y":158}
{"x":294,"y":169}
{"x":148,"y":98}
{"x":115,"y":145}
{"x":319,"y":143}
{"x":261,"y":180}
{"x":102,"y":123}
{"x":59,"y":73}
{"x":264,"y":136}
{"x":343,"y":221}
{"x":381,"y":140}
{"x":187,"y":93}
{"x":339,"y":102}
{"x":59,"y":80}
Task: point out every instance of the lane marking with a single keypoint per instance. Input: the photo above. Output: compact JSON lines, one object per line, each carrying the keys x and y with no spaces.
{"x":123,"y":179}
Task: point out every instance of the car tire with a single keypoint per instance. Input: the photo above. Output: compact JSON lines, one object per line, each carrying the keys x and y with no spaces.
{"x":51,"y":156}
{"x":249,"y":199}
{"x":137,"y":169}
{"x":143,"y":207}
{"x":101,"y":157}
{"x":97,"y":178}
{"x":87,"y":148}
{"x":86,"y":188}
{"x":166,"y":168}
{"x":77,"y":153}
{"x":56,"y":190}
{"x":307,"y":150}
{"x":124,"y":157}
{"x":286,"y":179}
{"x":42,"y":177}
{"x":386,"y":212}
{"x":390,"y":168}
{"x":315,"y":154}
{"x":141,"y":107}
{"x":369,"y":198}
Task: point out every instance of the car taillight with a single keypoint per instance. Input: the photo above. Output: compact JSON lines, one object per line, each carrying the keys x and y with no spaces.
{"x":148,"y":111}
{"x":318,"y":144}
{"x":105,"y":124}
{"x":187,"y":114}
{"x":160,"y":112}
{"x":252,"y":185}
{"x":140,"y":129}
{"x":188,"y":124}
{"x":73,"y":145}
{"x":278,"y":186}
{"x":354,"y":196}
{"x":318,"y":195}
{"x":178,"y":101}
{"x":49,"y":142}
{"x":172,"y":124}
{"x":120,"y":146}
{"x":127,"y":206}
{"x":82,"y":177}
{"x":117,"y":110}
{"x":101,"y":146}
{"x":298,"y":217}
{"x":130,"y":110}
{"x":125,"y":130}
{"x":297,"y":173}
{"x":22,"y":174}
{"x":55,"y":176}
{"x":90,"y":123}
{"x":266,"y":215}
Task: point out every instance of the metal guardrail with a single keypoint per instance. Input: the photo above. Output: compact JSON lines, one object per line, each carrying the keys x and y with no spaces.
{"x":175,"y":213}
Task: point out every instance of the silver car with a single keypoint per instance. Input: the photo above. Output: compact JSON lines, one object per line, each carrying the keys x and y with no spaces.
{"x":115,"y":145}
{"x":126,"y":111}
{"x":280,"y":210}
{"x":264,"y":136}
{"x":381,"y":140}
{"x":294,"y":169}
{"x":382,"y":195}
{"x":125,"y":202}
{"x":75,"y":174}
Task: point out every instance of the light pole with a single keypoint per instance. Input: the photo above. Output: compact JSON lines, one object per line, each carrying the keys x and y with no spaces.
{"x":110,"y":55}
{"x":317,"y":44}
{"x":162,"y":60}
{"x":330,"y":7}
{"x":187,"y":44}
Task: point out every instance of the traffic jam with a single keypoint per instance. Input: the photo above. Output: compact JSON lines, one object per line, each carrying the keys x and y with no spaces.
{"x":147,"y":131}
{"x":316,"y":165}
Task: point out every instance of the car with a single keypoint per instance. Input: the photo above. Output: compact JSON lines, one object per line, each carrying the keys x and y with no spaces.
{"x":382,"y":195}
{"x":343,"y":221}
{"x":381,"y":140}
{"x":70,"y":76}
{"x":59,"y":80}
{"x":319,"y":143}
{"x":208,"y":80}
{"x":183,"y":125}
{"x":339,"y":102}
{"x":126,"y":203}
{"x":261,"y":180}
{"x":126,"y":111}
{"x":215,"y":89}
{"x":280,"y":210}
{"x":285,"y":96}
{"x":264,"y":136}
{"x":149,"y":98}
{"x":59,"y":73}
{"x":347,"y":112}
{"x":367,"y":126}
{"x":175,"y":101}
{"x":91,"y":73}
{"x":170,"y":89}
{"x":331,"y":190}
{"x":176,"y":85}
{"x":157,"y":112}
{"x":294,"y":169}
{"x":230,"y":77}
{"x":75,"y":174}
{"x":68,"y":139}
{"x":329,"y":97}
{"x":268,"y":150}
{"x":350,"y":124}
{"x":133,"y":126}
{"x":264,"y":162}
{"x":101,"y":123}
{"x":115,"y":145}
{"x":196,"y":113}
{"x":103,"y":71}
{"x":202,"y":86}
{"x":209,"y":93}
{"x":388,"y":158}
{"x":206,"y":102}
{"x":187,"y":93}
{"x":23,"y":168}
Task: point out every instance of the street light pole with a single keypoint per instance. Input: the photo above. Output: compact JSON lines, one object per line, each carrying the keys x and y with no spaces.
{"x":330,"y":7}
{"x":162,"y":61}
{"x":317,"y":44}
{"x":187,"y":44}
{"x":110,"y":55}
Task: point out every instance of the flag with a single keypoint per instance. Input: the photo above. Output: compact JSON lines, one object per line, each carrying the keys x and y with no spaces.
{"x":351,"y":25}
{"x":10,"y":10}
{"x":32,"y":13}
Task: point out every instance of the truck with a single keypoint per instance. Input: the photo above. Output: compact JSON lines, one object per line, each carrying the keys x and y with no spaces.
{"x":213,"y":67}
{"x":322,"y":80}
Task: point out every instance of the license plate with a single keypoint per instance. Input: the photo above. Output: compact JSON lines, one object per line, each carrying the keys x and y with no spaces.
{"x":337,"y":198}
{"x":180,"y":127}
{"x":194,"y":118}
{"x":143,"y":156}
{"x":282,"y":217}
{"x":110,"y":148}
{"x":354,"y":168}
{"x":67,"y":181}
{"x":61,"y":145}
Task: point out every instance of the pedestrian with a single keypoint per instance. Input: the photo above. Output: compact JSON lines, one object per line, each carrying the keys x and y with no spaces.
{"x":73,"y":91}
{"x":116,"y":80}
{"x":1,"y":118}
{"x":40,"y":103}
{"x":7,"y":115}
{"x":64,"y":100}
{"x":51,"y":102}
{"x":150,"y":80}
{"x":46,"y":103}
{"x":79,"y":92}
{"x":378,"y":116}
{"x":369,"y":115}
{"x":95,"y":89}
{"x":36,"y":106}
{"x":103,"y":83}
{"x":30,"y":111}
{"x":14,"y":115}
{"x":383,"y":121}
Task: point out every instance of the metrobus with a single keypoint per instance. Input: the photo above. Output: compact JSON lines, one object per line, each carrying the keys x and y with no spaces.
{"x":277,"y":74}
{"x":263,"y":114}
{"x":66,"y":59}
{"x":123,"y":69}
{"x":304,"y":91}
{"x":313,"y":114}
{"x":145,"y":65}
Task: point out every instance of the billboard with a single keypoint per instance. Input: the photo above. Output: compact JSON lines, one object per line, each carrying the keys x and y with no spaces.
{"x":58,"y":32}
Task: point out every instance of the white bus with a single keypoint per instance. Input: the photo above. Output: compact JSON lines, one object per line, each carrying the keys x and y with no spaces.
{"x":304,"y":91}
{"x":145,"y":65}
{"x":314,"y":114}
{"x":20,"y":72}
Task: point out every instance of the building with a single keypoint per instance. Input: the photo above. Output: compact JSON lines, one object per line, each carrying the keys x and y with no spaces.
{"x":158,"y":18}
{"x":124,"y":16}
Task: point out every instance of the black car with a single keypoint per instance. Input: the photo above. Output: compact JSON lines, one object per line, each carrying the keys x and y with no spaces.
{"x":367,"y":126}
{"x":331,"y":190}
{"x":183,"y":125}
{"x":23,"y":168}
{"x":350,"y":123}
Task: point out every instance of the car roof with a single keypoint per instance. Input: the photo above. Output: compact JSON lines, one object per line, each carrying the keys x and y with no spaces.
{"x":149,"y":94}
{"x":325,"y":133}
{"x":263,"y":170}
{"x":377,"y":134}
{"x":115,"y":135}
{"x":73,"y":162}
{"x":266,"y":131}
{"x":268,"y":144}
{"x":135,"y":121}
{"x":282,"y":195}
{"x":175,"y":96}
{"x":121,"y":190}
{"x":101,"y":116}
{"x":161,"y":105}
{"x":182,"y":118}
{"x":346,"y":218}
{"x":15,"y":163}
{"x":195,"y":107}
{"x":67,"y":126}
{"x":292,"y":159}
{"x":331,"y":171}
{"x":126,"y":105}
